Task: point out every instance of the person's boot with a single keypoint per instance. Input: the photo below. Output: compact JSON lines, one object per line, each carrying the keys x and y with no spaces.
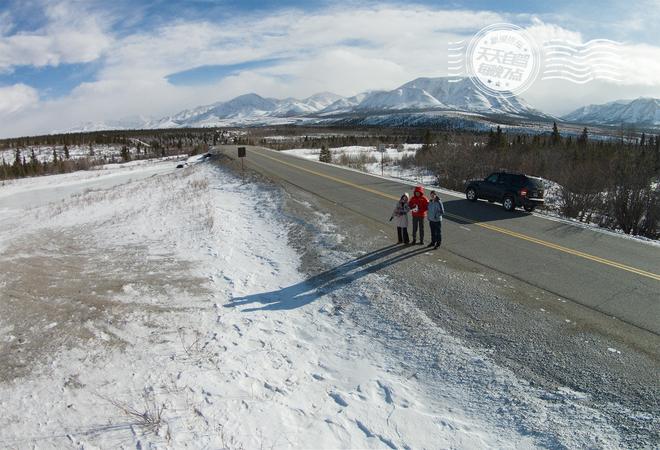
{"x":431,"y":244}
{"x":437,"y":245}
{"x":414,"y":241}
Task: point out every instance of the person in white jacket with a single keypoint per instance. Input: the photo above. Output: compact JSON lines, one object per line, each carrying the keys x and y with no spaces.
{"x":400,"y":216}
{"x":435,"y":212}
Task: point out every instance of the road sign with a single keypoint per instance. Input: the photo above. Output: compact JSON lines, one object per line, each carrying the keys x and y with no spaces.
{"x":241,"y":152}
{"x":381,"y":149}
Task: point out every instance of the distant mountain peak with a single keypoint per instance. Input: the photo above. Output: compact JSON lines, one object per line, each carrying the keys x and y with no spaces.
{"x":643,"y":111}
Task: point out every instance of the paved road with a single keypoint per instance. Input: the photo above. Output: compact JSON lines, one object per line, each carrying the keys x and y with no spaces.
{"x":616,"y":276}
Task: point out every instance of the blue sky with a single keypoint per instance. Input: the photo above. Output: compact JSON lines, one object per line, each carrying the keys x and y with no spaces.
{"x":94,"y":56}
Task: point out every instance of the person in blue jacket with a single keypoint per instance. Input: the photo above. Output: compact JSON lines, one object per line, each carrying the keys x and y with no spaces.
{"x":435,"y":212}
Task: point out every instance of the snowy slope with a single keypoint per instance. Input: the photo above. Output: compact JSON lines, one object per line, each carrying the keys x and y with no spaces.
{"x":464,"y":96}
{"x":250,"y":108}
{"x":346,"y":104}
{"x":404,"y":97}
{"x":321,"y":100}
{"x":641,"y":111}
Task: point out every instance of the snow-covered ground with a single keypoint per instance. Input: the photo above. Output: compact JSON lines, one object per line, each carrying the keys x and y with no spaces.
{"x":44,"y":153}
{"x":200,"y":331}
{"x":379,"y":163}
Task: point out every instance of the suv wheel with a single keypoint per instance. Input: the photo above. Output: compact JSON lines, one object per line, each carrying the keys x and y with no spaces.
{"x":471,"y":194}
{"x":529,"y":208}
{"x":508,"y":203}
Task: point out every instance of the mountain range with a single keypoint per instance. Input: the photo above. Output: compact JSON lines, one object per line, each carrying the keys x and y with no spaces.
{"x":642,"y":111}
{"x":422,"y":101}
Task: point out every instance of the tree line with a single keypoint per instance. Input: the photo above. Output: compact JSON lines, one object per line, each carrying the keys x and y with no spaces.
{"x":611,"y":182}
{"x":27,"y":157}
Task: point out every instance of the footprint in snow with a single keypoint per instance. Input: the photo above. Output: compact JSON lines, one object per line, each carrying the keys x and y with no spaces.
{"x":338,"y":399}
{"x":387,"y":392}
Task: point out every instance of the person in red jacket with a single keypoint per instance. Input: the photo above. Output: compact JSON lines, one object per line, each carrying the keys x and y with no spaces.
{"x":419,"y":204}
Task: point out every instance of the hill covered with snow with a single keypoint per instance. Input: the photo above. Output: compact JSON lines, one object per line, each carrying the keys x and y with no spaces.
{"x":641,"y":111}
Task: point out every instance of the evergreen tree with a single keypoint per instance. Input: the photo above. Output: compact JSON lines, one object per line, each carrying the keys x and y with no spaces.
{"x":5,"y":169}
{"x":66,"y":152}
{"x":496,"y":139}
{"x":325,"y":155}
{"x":125,"y":154}
{"x":18,"y":167}
{"x":555,"y":137}
{"x":583,"y":138}
{"x":428,"y":141}
{"x":54,"y":156}
{"x":34,"y":163}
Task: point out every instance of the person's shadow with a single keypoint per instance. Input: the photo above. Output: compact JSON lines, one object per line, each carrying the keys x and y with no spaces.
{"x":311,"y":289}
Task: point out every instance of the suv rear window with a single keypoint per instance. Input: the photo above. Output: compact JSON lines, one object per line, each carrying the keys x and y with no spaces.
{"x":535,"y":183}
{"x":517,"y":180}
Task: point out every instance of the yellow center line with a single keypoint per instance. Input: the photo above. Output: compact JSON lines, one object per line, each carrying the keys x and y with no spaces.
{"x":488,"y":226}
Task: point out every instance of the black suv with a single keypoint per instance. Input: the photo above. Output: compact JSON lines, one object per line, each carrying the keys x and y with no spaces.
{"x":510,"y":189}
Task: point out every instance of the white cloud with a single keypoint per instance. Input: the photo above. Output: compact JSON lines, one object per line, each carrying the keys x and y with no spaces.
{"x":16,"y":98}
{"x":6,"y":23}
{"x":70,"y":36}
{"x":345,"y":50}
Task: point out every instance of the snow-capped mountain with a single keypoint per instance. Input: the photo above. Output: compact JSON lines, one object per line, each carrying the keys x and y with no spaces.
{"x":322,"y":100}
{"x":293,"y":107}
{"x":464,"y":96}
{"x":641,"y":111}
{"x":426,"y":98}
{"x":434,"y":94}
{"x":345,"y":104}
{"x":248,"y":108}
{"x":420,"y":95}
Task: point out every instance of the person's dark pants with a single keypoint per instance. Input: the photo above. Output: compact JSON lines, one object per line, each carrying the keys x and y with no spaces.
{"x":402,"y":234}
{"x":436,"y":232}
{"x":418,"y":222}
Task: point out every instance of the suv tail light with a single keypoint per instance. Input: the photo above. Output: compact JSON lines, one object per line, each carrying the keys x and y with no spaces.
{"x":524,"y":192}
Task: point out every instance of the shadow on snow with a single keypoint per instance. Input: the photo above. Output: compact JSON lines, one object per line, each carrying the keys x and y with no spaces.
{"x":311,"y":289}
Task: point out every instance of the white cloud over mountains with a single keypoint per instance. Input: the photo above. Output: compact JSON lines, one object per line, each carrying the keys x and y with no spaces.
{"x":15,"y":98}
{"x":341,"y":49}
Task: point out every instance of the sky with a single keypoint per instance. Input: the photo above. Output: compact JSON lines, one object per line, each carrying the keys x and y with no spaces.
{"x":64,"y":63}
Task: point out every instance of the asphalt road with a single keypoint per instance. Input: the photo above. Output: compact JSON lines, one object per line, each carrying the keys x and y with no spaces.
{"x":610,"y":274}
